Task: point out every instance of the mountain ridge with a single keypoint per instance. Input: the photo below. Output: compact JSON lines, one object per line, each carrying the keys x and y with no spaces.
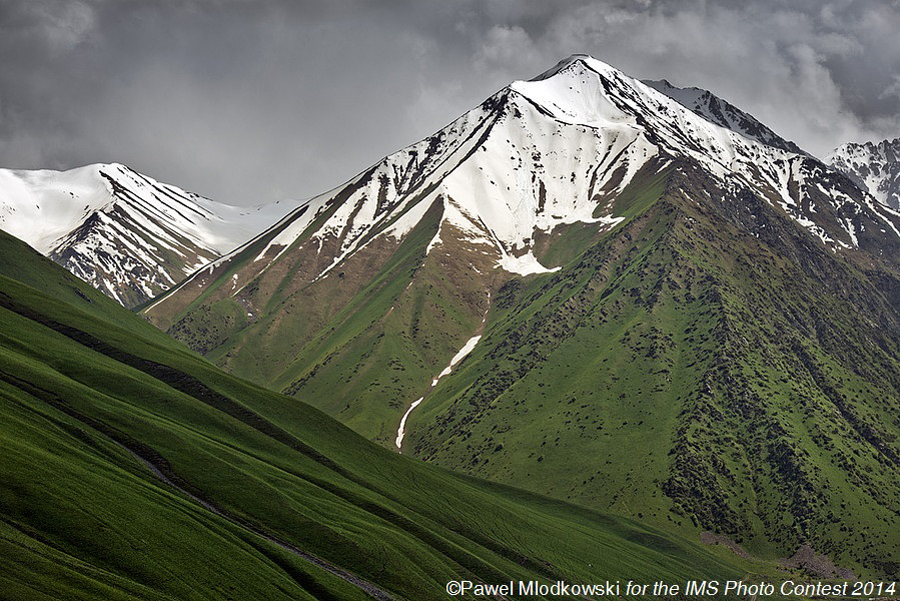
{"x":874,"y":166}
{"x":723,"y":113}
{"x":388,"y":199}
{"x":127,"y":234}
{"x":619,"y":255}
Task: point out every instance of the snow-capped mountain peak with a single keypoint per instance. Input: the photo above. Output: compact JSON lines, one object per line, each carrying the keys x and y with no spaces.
{"x":874,"y":166}
{"x":555,"y":151}
{"x":43,"y":206}
{"x":128,"y":234}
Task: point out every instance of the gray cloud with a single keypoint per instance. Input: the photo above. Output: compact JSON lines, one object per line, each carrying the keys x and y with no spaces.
{"x":248,"y":101}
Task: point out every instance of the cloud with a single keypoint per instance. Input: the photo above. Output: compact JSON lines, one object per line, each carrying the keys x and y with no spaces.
{"x":506,"y":51}
{"x":814,"y":72}
{"x":246,"y":100}
{"x":892,"y":91}
{"x":56,"y":25}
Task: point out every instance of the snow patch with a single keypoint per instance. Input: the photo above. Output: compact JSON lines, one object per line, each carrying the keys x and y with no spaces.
{"x":525,"y":265}
{"x":467,"y":348}
{"x":401,"y":431}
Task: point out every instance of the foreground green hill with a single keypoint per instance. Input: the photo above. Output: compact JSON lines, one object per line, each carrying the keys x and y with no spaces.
{"x":133,"y":468}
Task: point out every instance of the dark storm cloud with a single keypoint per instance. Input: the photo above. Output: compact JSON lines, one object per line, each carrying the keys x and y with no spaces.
{"x":246,"y":101}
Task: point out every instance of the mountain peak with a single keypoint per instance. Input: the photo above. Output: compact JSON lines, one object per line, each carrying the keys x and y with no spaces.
{"x":721,"y":112}
{"x":579,"y":90}
{"x":577,"y":60}
{"x":874,"y":166}
{"x":539,"y":155}
{"x":670,"y":229}
{"x":127,"y":234}
{"x":583,"y":90}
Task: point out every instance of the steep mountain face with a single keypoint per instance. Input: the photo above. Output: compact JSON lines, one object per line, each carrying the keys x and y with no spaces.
{"x":875,"y":167}
{"x":585,"y":288}
{"x":721,"y":112}
{"x":126,"y":234}
{"x":712,"y":363}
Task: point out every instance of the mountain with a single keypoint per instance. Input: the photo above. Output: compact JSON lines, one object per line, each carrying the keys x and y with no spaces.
{"x":723,"y":113}
{"x":875,"y":167}
{"x":133,"y":469}
{"x":585,"y":288}
{"x":123,"y":232}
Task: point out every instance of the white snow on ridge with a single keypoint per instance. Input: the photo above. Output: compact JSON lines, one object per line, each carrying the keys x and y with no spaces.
{"x":556,"y":151}
{"x":720,"y":111}
{"x":495,"y":172}
{"x":585,"y":103}
{"x":40,"y":207}
{"x":118,"y":229}
{"x":544,"y":153}
{"x":875,"y":166}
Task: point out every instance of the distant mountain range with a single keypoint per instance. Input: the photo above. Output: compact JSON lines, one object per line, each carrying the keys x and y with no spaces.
{"x":125,"y":233}
{"x":629,"y":295}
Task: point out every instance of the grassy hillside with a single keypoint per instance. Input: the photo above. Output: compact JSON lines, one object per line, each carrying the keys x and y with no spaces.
{"x":709,"y":366}
{"x":135,"y":469}
{"x":360,"y":343}
{"x":706,"y":365}
{"x":365,"y":341}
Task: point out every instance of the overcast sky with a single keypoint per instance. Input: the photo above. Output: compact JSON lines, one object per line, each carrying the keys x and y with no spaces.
{"x":250,"y":101}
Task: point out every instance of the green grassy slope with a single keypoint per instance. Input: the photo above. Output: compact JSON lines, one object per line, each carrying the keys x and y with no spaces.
{"x":367,"y":340}
{"x":360,"y":343}
{"x":91,"y":398}
{"x":709,"y":366}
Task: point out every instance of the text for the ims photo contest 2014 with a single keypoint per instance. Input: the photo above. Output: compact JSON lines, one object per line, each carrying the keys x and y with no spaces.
{"x":697,"y":588}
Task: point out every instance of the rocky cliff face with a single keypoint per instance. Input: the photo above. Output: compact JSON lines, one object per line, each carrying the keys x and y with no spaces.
{"x":875,"y":167}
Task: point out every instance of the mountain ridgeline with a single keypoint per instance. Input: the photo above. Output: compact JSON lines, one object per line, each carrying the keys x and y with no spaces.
{"x":875,"y":167}
{"x":127,"y":234}
{"x":683,"y":318}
